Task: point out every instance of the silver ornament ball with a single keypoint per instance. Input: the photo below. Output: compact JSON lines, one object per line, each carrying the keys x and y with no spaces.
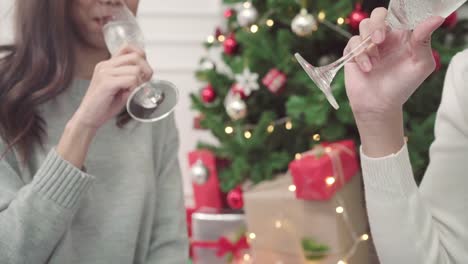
{"x":304,"y":23}
{"x":199,"y":173}
{"x":235,"y":107}
{"x":247,"y":15}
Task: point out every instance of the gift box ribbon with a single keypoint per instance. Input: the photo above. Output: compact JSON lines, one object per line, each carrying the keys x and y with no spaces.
{"x":224,"y":246}
{"x":333,"y":151}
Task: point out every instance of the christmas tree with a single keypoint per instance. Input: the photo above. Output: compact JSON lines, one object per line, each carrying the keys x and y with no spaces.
{"x":263,"y":108}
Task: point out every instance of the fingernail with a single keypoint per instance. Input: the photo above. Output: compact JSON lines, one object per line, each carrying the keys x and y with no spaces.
{"x":378,"y":36}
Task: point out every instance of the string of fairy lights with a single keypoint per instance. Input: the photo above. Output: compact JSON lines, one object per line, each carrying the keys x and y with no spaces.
{"x":321,"y":16}
{"x":340,"y":210}
{"x":285,"y":121}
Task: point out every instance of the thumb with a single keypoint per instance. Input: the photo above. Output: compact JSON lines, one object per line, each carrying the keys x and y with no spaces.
{"x":421,"y":36}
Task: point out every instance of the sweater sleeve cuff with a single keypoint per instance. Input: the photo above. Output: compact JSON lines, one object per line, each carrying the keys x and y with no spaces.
{"x":390,"y":176}
{"x":60,"y":181}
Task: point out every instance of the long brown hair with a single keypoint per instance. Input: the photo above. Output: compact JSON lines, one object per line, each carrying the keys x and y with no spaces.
{"x":38,"y":66}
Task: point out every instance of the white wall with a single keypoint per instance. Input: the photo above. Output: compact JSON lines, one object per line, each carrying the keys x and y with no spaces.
{"x":174,"y":32}
{"x":6,"y":10}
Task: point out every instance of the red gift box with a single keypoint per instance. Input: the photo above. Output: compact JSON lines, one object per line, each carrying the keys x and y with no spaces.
{"x":321,"y":172}
{"x":188,"y":214}
{"x":197,"y":121}
{"x":207,"y":194}
{"x":275,"y":81}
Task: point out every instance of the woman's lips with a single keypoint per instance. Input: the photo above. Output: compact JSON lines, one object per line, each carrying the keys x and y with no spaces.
{"x":101,"y":21}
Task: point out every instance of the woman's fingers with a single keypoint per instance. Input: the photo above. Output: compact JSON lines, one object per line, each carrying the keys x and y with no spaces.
{"x":375,"y":27}
{"x":366,"y":29}
{"x":420,"y":42}
{"x":362,"y":59}
{"x":130,"y":54}
{"x":422,"y":33}
{"x":378,"y":26}
{"x":421,"y":37}
{"x":133,"y":59}
{"x":130,"y":70}
{"x":123,"y":84}
{"x":126,"y":49}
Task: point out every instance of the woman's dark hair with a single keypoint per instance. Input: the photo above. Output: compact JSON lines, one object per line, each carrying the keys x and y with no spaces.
{"x":38,"y":66}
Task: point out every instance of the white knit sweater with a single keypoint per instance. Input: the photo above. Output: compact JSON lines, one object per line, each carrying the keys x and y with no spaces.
{"x":429,"y":224}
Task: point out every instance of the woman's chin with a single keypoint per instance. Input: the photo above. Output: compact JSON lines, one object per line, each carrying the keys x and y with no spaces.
{"x":96,"y":43}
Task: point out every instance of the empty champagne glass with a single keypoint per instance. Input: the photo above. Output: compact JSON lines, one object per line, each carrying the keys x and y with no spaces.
{"x":151,"y":101}
{"x":402,"y":15}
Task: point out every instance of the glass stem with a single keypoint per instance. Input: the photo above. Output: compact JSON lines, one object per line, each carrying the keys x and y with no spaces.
{"x":367,"y":43}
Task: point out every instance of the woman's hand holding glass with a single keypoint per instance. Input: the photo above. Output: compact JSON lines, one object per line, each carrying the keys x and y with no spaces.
{"x":112,"y":83}
{"x":382,"y":78}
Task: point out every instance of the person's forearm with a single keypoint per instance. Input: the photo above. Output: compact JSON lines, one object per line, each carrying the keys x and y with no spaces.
{"x":74,"y":143}
{"x":381,"y":135}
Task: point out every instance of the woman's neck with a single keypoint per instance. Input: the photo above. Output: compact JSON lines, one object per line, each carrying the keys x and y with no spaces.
{"x":86,"y":58}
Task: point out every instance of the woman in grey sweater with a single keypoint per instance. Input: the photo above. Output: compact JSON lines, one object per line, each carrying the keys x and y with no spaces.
{"x":62,"y":111}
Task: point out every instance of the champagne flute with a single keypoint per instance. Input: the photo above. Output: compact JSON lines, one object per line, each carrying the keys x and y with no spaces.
{"x":153,"y":100}
{"x":402,"y":15}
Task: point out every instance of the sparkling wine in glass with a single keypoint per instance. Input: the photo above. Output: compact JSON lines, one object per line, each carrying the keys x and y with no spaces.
{"x":151,"y":101}
{"x":402,"y":15}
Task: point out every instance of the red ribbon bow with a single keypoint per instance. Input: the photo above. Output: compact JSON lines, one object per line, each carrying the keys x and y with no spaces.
{"x":224,"y":246}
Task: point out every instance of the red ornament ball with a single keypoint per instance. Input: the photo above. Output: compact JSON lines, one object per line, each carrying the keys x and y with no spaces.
{"x":237,"y":89}
{"x":235,"y":198}
{"x":451,"y":20}
{"x":228,"y":13}
{"x":230,"y":45}
{"x":437,"y":60}
{"x":208,"y":94}
{"x":355,"y":18}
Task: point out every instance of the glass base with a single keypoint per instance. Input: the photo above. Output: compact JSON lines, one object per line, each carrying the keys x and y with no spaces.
{"x":149,"y":98}
{"x":152,"y":101}
{"x":322,"y":77}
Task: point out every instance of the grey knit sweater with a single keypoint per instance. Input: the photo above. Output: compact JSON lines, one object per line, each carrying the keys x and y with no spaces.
{"x":127,"y":207}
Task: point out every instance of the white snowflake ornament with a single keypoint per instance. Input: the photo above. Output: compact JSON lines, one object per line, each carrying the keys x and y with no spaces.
{"x":247,"y":81}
